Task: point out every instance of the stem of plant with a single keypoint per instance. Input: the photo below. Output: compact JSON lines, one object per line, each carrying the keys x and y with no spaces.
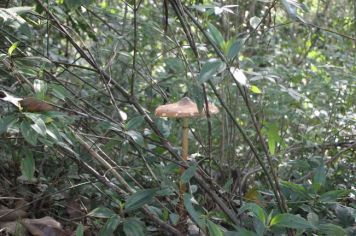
{"x":182,"y":186}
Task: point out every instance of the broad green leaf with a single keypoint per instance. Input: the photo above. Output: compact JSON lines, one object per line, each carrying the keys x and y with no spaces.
{"x":102,"y":212}
{"x":139,"y":198}
{"x":133,"y":227}
{"x":215,"y":35}
{"x":80,"y":230}
{"x":28,"y":133}
{"x":197,"y":95}
{"x":234,"y":49}
{"x":12,"y":48}
{"x":28,"y":166}
{"x":6,"y":122}
{"x":164,"y":126}
{"x":287,"y":220}
{"x":39,"y":126}
{"x":255,"y":21}
{"x":135,"y":122}
{"x":59,"y":91}
{"x":332,"y":230}
{"x":256,"y":210}
{"x":319,"y":177}
{"x":272,"y":131}
{"x":40,"y":88}
{"x":238,"y":75}
{"x":333,"y":195}
{"x":240,"y":232}
{"x":255,"y":89}
{"x":53,"y":132}
{"x":110,"y":226}
{"x":214,"y":229}
{"x":313,"y":218}
{"x":296,"y":188}
{"x":210,"y":69}
{"x":192,"y":212}
{"x":188,"y":173}
{"x":136,"y":136}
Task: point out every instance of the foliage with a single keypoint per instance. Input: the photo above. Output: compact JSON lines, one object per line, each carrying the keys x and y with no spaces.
{"x":281,"y":72}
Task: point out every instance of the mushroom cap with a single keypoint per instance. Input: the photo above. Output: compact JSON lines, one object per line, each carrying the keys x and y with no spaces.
{"x":183,"y":108}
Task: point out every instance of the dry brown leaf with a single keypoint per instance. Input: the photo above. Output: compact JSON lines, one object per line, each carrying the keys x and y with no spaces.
{"x":11,"y":214}
{"x":46,"y":226}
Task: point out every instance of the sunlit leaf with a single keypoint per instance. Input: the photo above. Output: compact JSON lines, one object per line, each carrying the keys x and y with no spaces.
{"x":287,"y":220}
{"x":238,"y":75}
{"x":255,"y":89}
{"x":12,"y":48}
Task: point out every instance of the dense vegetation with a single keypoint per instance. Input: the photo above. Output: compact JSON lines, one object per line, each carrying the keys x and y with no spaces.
{"x":278,"y":158}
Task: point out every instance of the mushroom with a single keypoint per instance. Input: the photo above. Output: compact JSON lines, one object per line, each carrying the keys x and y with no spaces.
{"x":184,"y":109}
{"x":29,"y":104}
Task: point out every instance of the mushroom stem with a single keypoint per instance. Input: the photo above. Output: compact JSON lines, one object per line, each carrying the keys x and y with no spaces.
{"x":182,"y":186}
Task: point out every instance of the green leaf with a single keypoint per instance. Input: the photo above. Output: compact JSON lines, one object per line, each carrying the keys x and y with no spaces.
{"x":255,"y":89}
{"x":296,"y":188}
{"x":164,"y":126}
{"x":241,"y":232}
{"x":332,"y":230}
{"x":80,"y":230}
{"x":214,"y":229}
{"x":135,"y":122}
{"x":313,"y":219}
{"x":6,"y":122}
{"x":110,"y":226}
{"x":215,"y":34}
{"x":12,"y":48}
{"x":192,"y":212}
{"x":133,"y":227}
{"x":319,"y":177}
{"x":28,"y":166}
{"x":189,"y":173}
{"x":139,"y":198}
{"x":273,"y":137}
{"x":332,"y":196}
{"x":28,"y":133}
{"x":210,"y":69}
{"x":197,"y":95}
{"x":136,"y":136}
{"x":287,"y":220}
{"x":234,"y":49}
{"x":102,"y":212}
{"x":256,"y":210}
{"x":39,"y":126}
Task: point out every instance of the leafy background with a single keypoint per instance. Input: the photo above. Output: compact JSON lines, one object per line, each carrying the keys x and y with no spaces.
{"x":281,"y":72}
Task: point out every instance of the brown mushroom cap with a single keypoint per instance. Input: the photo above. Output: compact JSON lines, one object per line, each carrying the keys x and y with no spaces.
{"x":183,"y":108}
